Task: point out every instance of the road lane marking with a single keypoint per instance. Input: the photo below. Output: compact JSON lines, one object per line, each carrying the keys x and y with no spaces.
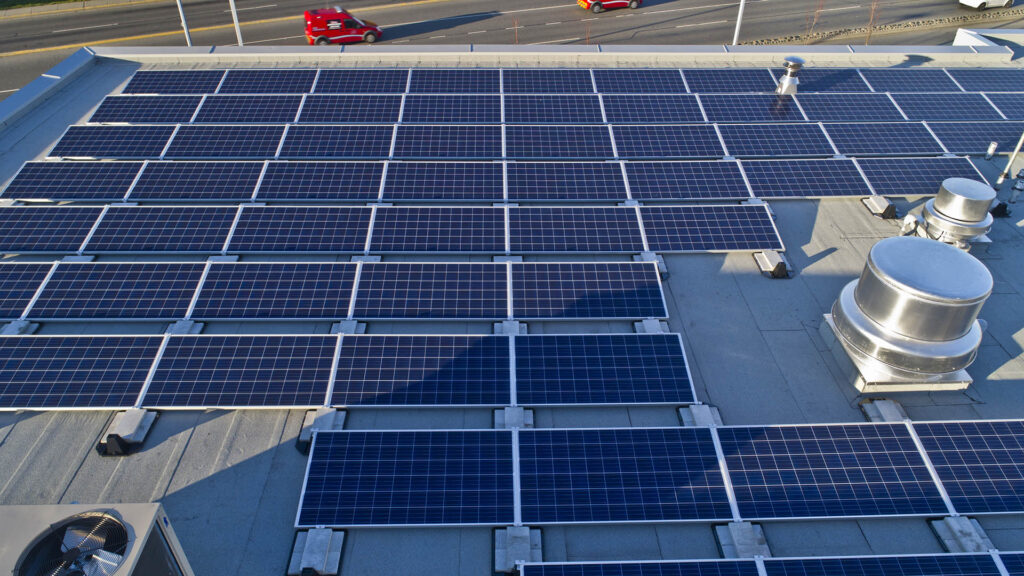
{"x":554,"y":41}
{"x":702,"y":24}
{"x":85,"y":28}
{"x":274,"y":39}
{"x":253,"y":8}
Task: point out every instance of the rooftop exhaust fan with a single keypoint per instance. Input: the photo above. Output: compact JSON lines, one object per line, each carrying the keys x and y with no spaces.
{"x":958,"y":215}
{"x":89,"y":544}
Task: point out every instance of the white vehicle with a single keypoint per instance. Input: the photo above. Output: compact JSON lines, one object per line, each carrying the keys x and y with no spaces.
{"x":982,"y":4}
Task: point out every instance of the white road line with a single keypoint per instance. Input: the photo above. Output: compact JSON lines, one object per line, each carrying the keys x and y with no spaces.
{"x":11,"y":90}
{"x":254,"y":7}
{"x":435,"y":37}
{"x":464,"y":16}
{"x":554,"y":41}
{"x":843,"y":8}
{"x":702,"y":24}
{"x":476,"y":32}
{"x":85,"y":28}
{"x":274,"y":39}
{"x":551,"y":23}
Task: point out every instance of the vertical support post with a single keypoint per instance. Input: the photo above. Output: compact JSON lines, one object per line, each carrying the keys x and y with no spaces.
{"x":184,"y":24}
{"x":234,"y":18}
{"x":739,"y":22}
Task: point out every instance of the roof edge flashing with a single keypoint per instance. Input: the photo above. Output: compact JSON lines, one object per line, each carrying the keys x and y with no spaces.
{"x":37,"y":91}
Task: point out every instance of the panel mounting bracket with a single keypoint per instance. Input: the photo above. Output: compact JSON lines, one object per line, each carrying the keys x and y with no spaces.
{"x":515,"y":545}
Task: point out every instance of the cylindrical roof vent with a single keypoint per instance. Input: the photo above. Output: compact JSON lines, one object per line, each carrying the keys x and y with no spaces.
{"x":959,"y":213}
{"x":788,"y":82}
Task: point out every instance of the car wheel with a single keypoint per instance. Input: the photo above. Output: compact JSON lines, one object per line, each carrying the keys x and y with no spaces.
{"x":370,"y":38}
{"x":634,"y":4}
{"x":981,"y":6}
{"x":1008,"y":4}
{"x":322,"y":41}
{"x":597,"y":8}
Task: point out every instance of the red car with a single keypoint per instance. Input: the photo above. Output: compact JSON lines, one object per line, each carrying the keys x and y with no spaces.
{"x":335,"y":26}
{"x":598,"y":6}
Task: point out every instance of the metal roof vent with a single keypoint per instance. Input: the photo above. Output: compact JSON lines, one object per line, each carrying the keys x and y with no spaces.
{"x":959,"y":212}
{"x":789,"y":81}
{"x":910,"y":321}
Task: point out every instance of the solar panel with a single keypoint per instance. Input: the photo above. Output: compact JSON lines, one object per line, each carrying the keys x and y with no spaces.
{"x":574,"y":230}
{"x":112,"y":142}
{"x":361,"y":81}
{"x":569,"y":109}
{"x":937,"y":565}
{"x":989,"y":80}
{"x":438,"y":230}
{"x":772,"y":140}
{"x":955,"y":106}
{"x":920,"y":80}
{"x":804,"y":178}
{"x":18,"y":284}
{"x":849,"y":107}
{"x":258,"y":109}
{"x":444,"y":181}
{"x":601,"y":369}
{"x":276,"y":290}
{"x":587,"y":290}
{"x":639,"y":81}
{"x":162,"y":229}
{"x":707,"y":568}
{"x":197,"y":181}
{"x":914,"y":176}
{"x":321,"y":181}
{"x":686,"y":181}
{"x":652,"y":108}
{"x":883,"y":138}
{"x":1014,"y":564}
{"x":348,"y":109}
{"x":267,"y":82}
{"x":118,"y":291}
{"x":529,"y":181}
{"x":828,"y":80}
{"x":74,"y":371}
{"x":449,"y":108}
{"x":242,"y":371}
{"x":710,"y":80}
{"x":620,"y":475}
{"x":358,"y":478}
{"x":448,"y":142}
{"x":174,"y":82}
{"x":750,"y":108}
{"x":146,"y":109}
{"x":72,"y":180}
{"x":1011,"y":105}
{"x":225,"y":141}
{"x":668,"y":141}
{"x":974,"y":137}
{"x":372,"y":142}
{"x":550,"y":81}
{"x":980,"y":464}
{"x":465,"y":81}
{"x":828,"y":471}
{"x":423,"y":371}
{"x":432,"y":291}
{"x":39,"y":229}
{"x":558,"y":142}
{"x":301,"y":229}
{"x":702,"y":228}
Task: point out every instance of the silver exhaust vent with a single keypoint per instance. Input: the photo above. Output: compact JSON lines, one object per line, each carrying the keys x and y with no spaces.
{"x":910,"y":322}
{"x":789,"y":81}
{"x":958,"y":215}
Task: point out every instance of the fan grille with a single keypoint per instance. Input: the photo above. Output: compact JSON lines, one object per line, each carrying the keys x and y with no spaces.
{"x":89,"y":544}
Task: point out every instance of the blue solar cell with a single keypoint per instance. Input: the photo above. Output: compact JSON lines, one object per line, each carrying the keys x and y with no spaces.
{"x":558,"y":142}
{"x":372,"y":142}
{"x":668,"y":141}
{"x":804,"y":178}
{"x":848,"y":107}
{"x":696,"y":568}
{"x":162,"y":229}
{"x":715,"y":180}
{"x":955,"y":106}
{"x":174,"y":82}
{"x":938,"y":565}
{"x":301,"y":229}
{"x":710,"y":80}
{"x":39,"y":229}
{"x":438,"y":230}
{"x":602,"y":369}
{"x":267,"y":82}
{"x":541,"y":81}
{"x":837,"y":470}
{"x":702,"y":228}
{"x":750,"y":108}
{"x":574,"y":230}
{"x":587,"y":290}
{"x":464,"y":81}
{"x":989,"y":80}
{"x":1011,"y":105}
{"x":980,"y":464}
{"x":321,"y":181}
{"x":432,"y":291}
{"x":434,"y":477}
{"x":228,"y":141}
{"x":639,"y":81}
{"x":349,"y":109}
{"x":883,"y":138}
{"x":242,"y":371}
{"x":276,"y":291}
{"x":568,"y":109}
{"x":74,"y":371}
{"x":908,"y":80}
{"x":828,"y":80}
{"x":914,"y":176}
{"x":773,"y":140}
{"x":652,"y":108}
{"x":197,"y":181}
{"x":112,"y":142}
{"x":146,"y":109}
{"x":361,"y":81}
{"x":444,"y":181}
{"x":448,"y":142}
{"x":564,"y":181}
{"x":449,"y":108}
{"x":271,"y":109}
{"x":118,"y":291}
{"x":423,"y":371}
{"x":974,"y":137}
{"x":1014,"y":564}
{"x":620,"y":475}
{"x":73,"y":180}
{"x":18,"y":284}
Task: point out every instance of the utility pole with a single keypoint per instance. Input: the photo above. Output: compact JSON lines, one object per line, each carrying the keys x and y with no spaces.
{"x":184,"y":24}
{"x":739,"y":22}
{"x":234,"y":16}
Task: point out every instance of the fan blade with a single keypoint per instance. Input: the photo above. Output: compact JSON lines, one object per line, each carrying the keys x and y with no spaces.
{"x":86,"y":538}
{"x":102,"y":563}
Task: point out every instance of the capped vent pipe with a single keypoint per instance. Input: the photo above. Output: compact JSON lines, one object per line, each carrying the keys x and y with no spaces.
{"x":959,"y":212}
{"x":789,"y":81}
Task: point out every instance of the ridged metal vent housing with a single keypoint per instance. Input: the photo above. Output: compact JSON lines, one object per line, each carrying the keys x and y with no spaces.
{"x":959,"y":212}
